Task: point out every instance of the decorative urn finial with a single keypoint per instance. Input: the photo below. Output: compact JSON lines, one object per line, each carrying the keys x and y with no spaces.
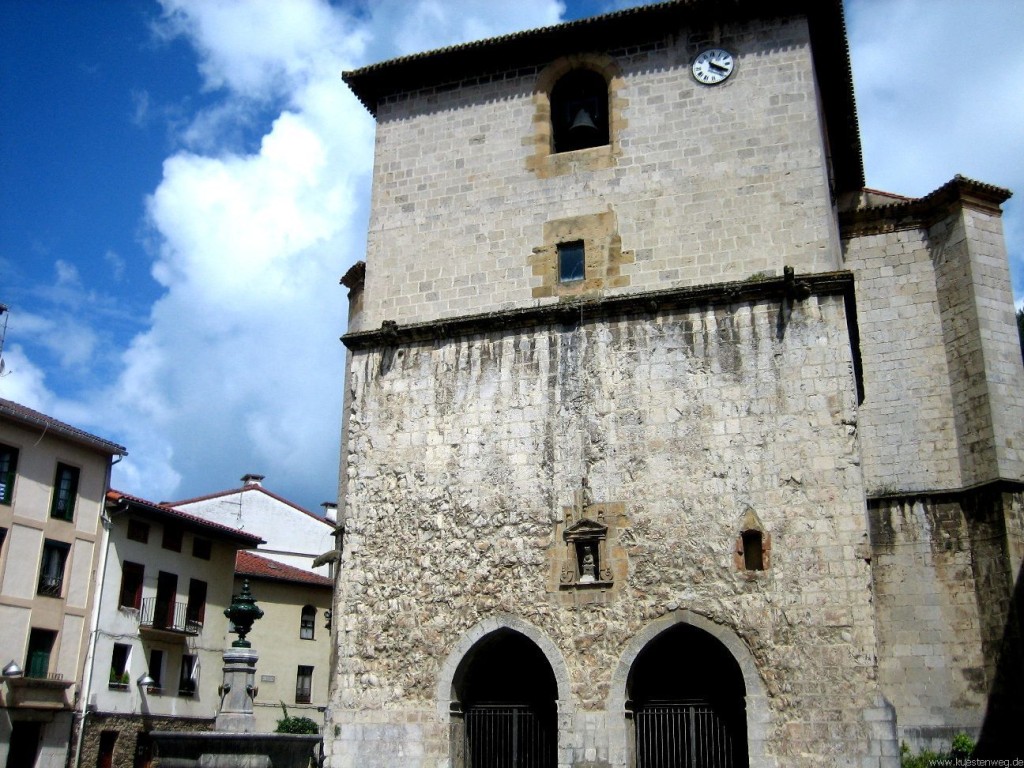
{"x":242,"y":613}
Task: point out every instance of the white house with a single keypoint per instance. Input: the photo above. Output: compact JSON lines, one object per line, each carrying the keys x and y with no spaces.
{"x":292,"y":535}
{"x":156,"y":659}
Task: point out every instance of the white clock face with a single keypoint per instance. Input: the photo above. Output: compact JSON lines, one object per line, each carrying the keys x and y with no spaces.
{"x":713,"y":66}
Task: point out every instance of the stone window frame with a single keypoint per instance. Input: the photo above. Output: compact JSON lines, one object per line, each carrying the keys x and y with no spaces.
{"x":544,"y":161}
{"x":751,"y":524}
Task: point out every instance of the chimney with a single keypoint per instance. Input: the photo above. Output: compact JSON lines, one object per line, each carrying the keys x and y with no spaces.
{"x":330,"y":511}
{"x":250,"y":479}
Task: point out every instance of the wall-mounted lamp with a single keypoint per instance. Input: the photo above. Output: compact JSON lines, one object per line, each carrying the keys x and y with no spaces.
{"x":13,"y":670}
{"x":145,"y":681}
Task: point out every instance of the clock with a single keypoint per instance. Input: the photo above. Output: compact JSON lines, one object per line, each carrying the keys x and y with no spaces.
{"x":713,"y":66}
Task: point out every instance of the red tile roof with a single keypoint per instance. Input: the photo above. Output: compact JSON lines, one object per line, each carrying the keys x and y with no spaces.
{"x":254,"y":566}
{"x":140,"y":505}
{"x":28,"y":417}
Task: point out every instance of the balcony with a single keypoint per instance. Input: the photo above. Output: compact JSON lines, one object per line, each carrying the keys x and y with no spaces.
{"x":167,"y":617}
{"x":40,"y":692}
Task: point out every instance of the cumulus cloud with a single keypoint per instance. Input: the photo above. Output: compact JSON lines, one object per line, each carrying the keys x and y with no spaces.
{"x":240,"y":367}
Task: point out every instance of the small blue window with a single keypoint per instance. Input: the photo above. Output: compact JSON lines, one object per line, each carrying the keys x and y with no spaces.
{"x":570,"y":261}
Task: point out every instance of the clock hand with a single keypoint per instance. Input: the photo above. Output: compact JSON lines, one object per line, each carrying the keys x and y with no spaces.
{"x":719,"y":67}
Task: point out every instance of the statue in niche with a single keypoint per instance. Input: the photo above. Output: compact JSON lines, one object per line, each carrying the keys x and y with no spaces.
{"x":589,"y":567}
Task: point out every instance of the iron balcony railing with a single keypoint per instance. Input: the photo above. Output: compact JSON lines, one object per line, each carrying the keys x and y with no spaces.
{"x":169,"y":617}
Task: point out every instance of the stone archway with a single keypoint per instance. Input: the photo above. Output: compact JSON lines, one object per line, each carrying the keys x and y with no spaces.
{"x":502,"y":691}
{"x":723,"y":648}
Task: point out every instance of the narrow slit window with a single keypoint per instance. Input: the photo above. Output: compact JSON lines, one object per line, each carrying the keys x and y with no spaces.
{"x":753,"y":551}
{"x":571,"y":261}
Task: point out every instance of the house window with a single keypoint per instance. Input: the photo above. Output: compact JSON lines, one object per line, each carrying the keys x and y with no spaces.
{"x":65,"y":491}
{"x":51,"y":569}
{"x":8,"y":470}
{"x":131,"y":585}
{"x":579,"y":111}
{"x":40,"y":645}
{"x":306,"y":623}
{"x":571,"y":262}
{"x":138,"y":530}
{"x":189,"y":676}
{"x":172,"y":538}
{"x":201,"y":548}
{"x":120,"y":658}
{"x":304,"y":685}
{"x":156,"y":669}
{"x":195,"y":609}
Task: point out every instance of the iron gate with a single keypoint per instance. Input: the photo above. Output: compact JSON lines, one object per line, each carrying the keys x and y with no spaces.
{"x":685,"y":735}
{"x":508,"y":736}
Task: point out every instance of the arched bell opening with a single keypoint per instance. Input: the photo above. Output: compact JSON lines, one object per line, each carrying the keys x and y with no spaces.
{"x":579,"y":111}
{"x":504,"y":706}
{"x":686,"y":698}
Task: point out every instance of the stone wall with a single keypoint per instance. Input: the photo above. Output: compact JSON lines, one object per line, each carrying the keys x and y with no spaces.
{"x":464,"y":454}
{"x":706,"y":184}
{"x":132,"y":733}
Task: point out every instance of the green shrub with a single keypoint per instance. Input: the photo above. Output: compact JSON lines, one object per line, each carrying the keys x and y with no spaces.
{"x":963,"y":746}
{"x":295,"y":724}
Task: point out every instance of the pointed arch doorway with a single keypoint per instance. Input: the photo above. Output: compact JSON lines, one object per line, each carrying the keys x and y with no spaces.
{"x":686,"y":697}
{"x":506,"y":698}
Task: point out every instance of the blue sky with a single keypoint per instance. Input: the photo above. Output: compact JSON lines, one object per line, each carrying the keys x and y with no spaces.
{"x":183,"y":182}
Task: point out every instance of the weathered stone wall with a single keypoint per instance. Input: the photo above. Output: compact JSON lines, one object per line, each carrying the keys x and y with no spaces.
{"x":907,"y":422}
{"x":465,"y":452}
{"x":706,"y":184}
{"x":943,"y":379}
{"x":932,"y":666}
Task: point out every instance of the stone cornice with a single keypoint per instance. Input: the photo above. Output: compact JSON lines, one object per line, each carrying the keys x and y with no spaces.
{"x":924,"y":211}
{"x":789,"y":286}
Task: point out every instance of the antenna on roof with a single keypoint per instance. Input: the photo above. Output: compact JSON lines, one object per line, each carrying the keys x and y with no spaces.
{"x":3,"y":335}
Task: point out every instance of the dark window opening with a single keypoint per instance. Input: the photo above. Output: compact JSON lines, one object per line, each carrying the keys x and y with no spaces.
{"x":579,"y":111}
{"x":131,"y":585}
{"x":304,"y":685}
{"x":172,"y":538}
{"x":687,"y":699}
{"x":201,"y":548}
{"x":195,"y":609}
{"x":119,"y":673}
{"x":40,"y":646}
{"x":307,"y":623}
{"x":571,"y":261}
{"x":65,"y":491}
{"x":138,"y":530}
{"x":8,"y":470}
{"x":189,"y":673}
{"x":753,"y":550}
{"x":105,"y":757}
{"x":156,"y":668}
{"x":51,"y":569}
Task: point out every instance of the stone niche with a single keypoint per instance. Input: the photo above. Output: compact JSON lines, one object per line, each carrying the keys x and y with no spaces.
{"x":587,"y":562}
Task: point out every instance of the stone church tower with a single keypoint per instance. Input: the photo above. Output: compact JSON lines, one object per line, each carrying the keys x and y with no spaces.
{"x":666,"y":443}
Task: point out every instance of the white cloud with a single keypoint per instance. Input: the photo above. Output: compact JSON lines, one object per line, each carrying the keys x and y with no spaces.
{"x":938,"y":93}
{"x":240,"y":368}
